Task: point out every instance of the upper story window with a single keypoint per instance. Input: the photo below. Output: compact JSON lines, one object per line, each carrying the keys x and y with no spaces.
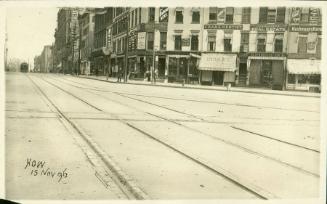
{"x":196,"y":17}
{"x":228,"y":41}
{"x":178,"y":42}
{"x":152,"y":14}
{"x":150,"y":40}
{"x":261,"y":43}
{"x":212,"y":14}
{"x":229,"y":15}
{"x":179,"y":16}
{"x":163,"y":40}
{"x":194,"y":42}
{"x":211,"y":42}
{"x":244,"y":42}
{"x":246,"y":15}
{"x":279,"y":42}
{"x":272,"y":15}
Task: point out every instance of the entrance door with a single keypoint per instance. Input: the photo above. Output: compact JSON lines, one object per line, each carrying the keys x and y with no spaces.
{"x":142,"y":67}
{"x":161,"y":67}
{"x":242,"y":74}
{"x":218,"y":78}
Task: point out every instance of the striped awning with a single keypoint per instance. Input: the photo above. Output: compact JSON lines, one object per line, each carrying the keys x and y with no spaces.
{"x":303,"y":66}
{"x":218,"y":62}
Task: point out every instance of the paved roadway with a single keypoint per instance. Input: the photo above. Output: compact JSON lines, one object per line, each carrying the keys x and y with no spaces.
{"x":161,"y":143}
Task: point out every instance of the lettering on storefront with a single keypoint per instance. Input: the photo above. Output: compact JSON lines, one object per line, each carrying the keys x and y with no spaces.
{"x":266,"y":28}
{"x":217,"y":26}
{"x":141,"y":40}
{"x":259,"y":54}
{"x":303,"y":28}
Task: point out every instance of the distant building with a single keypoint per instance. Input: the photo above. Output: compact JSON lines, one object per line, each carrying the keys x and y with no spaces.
{"x":46,"y":62}
{"x":86,"y":25}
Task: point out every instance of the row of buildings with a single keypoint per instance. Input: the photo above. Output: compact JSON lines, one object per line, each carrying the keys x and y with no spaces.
{"x":275,"y":47}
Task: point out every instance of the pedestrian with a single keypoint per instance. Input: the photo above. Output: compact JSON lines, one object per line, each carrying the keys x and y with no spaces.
{"x":119,"y":75}
{"x":155,"y":76}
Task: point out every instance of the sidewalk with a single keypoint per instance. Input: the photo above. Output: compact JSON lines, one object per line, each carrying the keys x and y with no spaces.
{"x":203,"y":87}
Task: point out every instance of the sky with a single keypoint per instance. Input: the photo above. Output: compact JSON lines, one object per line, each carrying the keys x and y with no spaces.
{"x":29,"y":29}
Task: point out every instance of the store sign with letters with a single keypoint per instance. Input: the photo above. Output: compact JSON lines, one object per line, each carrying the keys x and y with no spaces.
{"x":303,"y":28}
{"x":163,"y":14}
{"x":266,"y":28}
{"x":141,"y":40}
{"x":223,"y":26}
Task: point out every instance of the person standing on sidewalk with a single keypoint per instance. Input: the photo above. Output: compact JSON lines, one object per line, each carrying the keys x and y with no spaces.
{"x":119,"y":75}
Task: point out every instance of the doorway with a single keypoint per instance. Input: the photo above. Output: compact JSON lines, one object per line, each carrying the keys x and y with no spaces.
{"x":218,"y":78}
{"x":161,"y":67}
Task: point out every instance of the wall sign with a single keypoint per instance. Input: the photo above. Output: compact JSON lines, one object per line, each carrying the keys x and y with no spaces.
{"x":304,"y":28}
{"x":186,"y":42}
{"x":267,"y":27}
{"x":223,"y":26}
{"x":163,"y":14}
{"x":141,"y":40}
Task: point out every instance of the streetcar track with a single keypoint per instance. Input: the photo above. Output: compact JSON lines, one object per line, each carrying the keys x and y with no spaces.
{"x":226,"y":141}
{"x":139,"y":193}
{"x":201,"y":101}
{"x":252,"y":188}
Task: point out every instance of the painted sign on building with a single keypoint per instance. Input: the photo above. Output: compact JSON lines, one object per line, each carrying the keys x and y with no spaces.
{"x":223,"y":26}
{"x":305,"y":28}
{"x":141,"y":40}
{"x":314,"y":16}
{"x":221,"y":15}
{"x":186,"y":42}
{"x":295,"y":15}
{"x":268,"y":27}
{"x":163,"y":14}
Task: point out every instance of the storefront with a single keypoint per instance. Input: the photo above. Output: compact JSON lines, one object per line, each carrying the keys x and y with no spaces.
{"x":182,"y":68}
{"x":267,"y":70}
{"x":303,"y":74}
{"x":217,"y":68}
{"x":100,"y":61}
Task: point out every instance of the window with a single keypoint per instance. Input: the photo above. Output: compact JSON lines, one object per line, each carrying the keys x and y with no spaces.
{"x":263,"y":14}
{"x":227,"y":45}
{"x":305,"y":15}
{"x":196,"y":17}
{"x":178,"y":42}
{"x":140,"y":15}
{"x":150,"y":42}
{"x":132,"y":21}
{"x":302,"y":44}
{"x":212,"y":14}
{"x":211,"y":43}
{"x":119,"y":45}
{"x":229,"y":15}
{"x":271,"y":15}
{"x":114,"y":46}
{"x":179,"y":17}
{"x":163,"y":40}
{"x":261,"y":43}
{"x":135,"y":17}
{"x":194,"y":42}
{"x":279,"y":43}
{"x":244,"y":42}
{"x":280,"y":15}
{"x":246,"y":15}
{"x":152,"y":13}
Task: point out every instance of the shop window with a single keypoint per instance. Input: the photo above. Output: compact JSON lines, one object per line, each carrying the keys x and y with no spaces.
{"x":302,"y":44}
{"x":280,"y":15}
{"x":150,"y":40}
{"x":227,"y":44}
{"x":192,"y":68}
{"x":229,"y":15}
{"x":179,"y":16}
{"x":266,"y":72}
{"x":172,"y":66}
{"x":212,"y":43}
{"x":261,"y":44}
{"x":263,"y":14}
{"x":196,"y":17}
{"x":314,"y":79}
{"x":212,"y":14}
{"x":178,"y":42}
{"x":291,"y":79}
{"x":244,"y":42}
{"x":246,"y":15}
{"x":163,"y":40}
{"x":152,"y":13}
{"x":194,"y":42}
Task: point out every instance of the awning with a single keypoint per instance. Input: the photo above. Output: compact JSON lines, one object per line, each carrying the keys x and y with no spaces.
{"x":218,"y":62}
{"x":303,"y":66}
{"x":196,"y":56}
{"x":59,"y":65}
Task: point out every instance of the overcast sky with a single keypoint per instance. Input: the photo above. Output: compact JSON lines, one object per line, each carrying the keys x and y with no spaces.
{"x":29,"y":29}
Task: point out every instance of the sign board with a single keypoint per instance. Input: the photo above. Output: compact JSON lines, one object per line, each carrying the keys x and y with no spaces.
{"x":314,"y":16}
{"x":141,"y":40}
{"x":223,"y":26}
{"x":221,"y":15}
{"x":268,"y":27}
{"x":305,"y":28}
{"x":163,"y":14}
{"x":295,"y":15}
{"x":218,"y":62}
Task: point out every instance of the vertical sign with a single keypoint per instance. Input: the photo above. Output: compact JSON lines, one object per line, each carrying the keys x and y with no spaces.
{"x":295,"y":15}
{"x":221,"y":15}
{"x":109,"y":38}
{"x":141,"y":40}
{"x":314,"y":16}
{"x":163,"y":14}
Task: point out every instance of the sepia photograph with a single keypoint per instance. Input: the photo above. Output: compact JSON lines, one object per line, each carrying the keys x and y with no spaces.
{"x":164,"y":101}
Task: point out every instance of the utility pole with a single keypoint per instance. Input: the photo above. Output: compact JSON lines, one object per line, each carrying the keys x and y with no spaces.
{"x":126,"y":47}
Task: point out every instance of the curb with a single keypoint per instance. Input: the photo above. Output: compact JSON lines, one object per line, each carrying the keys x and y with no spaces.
{"x":204,"y":88}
